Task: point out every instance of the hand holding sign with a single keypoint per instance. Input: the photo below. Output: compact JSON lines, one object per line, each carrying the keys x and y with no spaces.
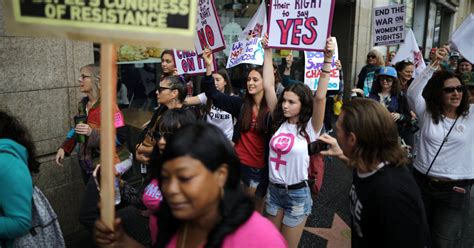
{"x":329,"y":48}
{"x":207,"y":56}
{"x":208,"y":60}
{"x":440,"y":54}
{"x":265,"y":41}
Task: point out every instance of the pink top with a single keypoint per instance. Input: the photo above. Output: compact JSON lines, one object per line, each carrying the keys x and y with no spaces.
{"x":257,"y":232}
{"x":152,"y":198}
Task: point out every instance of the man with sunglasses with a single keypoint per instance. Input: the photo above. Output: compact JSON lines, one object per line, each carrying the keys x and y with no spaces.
{"x":444,"y":165}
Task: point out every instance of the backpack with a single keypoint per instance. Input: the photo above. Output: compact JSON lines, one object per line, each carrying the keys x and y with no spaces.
{"x":315,"y":170}
{"x":45,"y":230}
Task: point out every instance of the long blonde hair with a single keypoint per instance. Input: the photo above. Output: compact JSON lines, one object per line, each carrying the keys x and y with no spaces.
{"x":95,"y":76}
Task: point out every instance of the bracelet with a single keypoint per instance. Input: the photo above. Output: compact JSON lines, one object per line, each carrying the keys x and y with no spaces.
{"x":325,"y":71}
{"x":327,"y":62}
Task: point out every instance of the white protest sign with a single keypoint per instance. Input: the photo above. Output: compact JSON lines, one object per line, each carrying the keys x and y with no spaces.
{"x":300,"y":24}
{"x":462,"y":39}
{"x":410,"y":51}
{"x":246,"y":52}
{"x":257,"y":25}
{"x":312,"y":70}
{"x":388,"y":25}
{"x":189,"y":62}
{"x":208,"y":28}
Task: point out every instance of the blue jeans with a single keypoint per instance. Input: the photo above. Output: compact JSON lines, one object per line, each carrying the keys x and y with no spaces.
{"x":295,"y":204}
{"x":446,"y":210}
{"x":250,"y":176}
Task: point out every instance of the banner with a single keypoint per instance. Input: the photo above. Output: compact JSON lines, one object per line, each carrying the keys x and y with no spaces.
{"x":300,"y":24}
{"x":246,"y":52}
{"x":312,"y":70}
{"x":410,"y":51}
{"x":147,"y":22}
{"x":208,"y":28}
{"x":257,"y":25}
{"x":189,"y":62}
{"x":388,"y":24}
{"x":462,"y":40}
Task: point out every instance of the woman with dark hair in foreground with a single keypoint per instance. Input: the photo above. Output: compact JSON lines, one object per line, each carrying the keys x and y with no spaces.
{"x":203,"y":201}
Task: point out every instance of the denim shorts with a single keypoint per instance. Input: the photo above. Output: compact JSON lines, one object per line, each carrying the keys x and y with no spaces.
{"x":250,"y":176}
{"x":295,"y":204}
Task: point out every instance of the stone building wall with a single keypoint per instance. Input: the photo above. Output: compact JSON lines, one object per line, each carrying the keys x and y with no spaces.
{"x":39,"y":85}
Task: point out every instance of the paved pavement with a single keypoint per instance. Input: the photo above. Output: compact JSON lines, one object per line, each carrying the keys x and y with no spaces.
{"x":330,"y":214}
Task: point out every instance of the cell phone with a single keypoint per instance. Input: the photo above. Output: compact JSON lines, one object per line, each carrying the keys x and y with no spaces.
{"x":316,"y":147}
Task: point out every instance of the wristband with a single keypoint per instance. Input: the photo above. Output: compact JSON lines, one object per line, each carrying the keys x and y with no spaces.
{"x":327,"y":62}
{"x":325,"y":71}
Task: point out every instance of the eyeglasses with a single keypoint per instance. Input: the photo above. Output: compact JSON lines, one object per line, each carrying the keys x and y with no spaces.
{"x":459,"y":89}
{"x":164,"y":135}
{"x":82,"y":77}
{"x":160,"y":89}
{"x":388,"y":79}
{"x":371,"y":56}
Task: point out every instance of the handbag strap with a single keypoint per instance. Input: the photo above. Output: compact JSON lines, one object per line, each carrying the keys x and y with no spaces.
{"x":441,"y":146}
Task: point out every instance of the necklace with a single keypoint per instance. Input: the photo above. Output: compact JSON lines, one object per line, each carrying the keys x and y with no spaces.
{"x":183,"y":243}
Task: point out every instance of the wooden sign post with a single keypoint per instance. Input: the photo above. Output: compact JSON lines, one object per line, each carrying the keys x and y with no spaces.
{"x":150,"y":23}
{"x":108,"y":74}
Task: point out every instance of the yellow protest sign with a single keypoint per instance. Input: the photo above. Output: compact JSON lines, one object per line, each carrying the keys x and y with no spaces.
{"x":158,"y":23}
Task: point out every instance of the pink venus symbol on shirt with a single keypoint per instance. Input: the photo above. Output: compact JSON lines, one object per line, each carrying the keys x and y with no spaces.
{"x":281,"y":145}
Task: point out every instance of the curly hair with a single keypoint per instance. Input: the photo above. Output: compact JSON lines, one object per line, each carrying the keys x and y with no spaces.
{"x":304,"y":95}
{"x":11,"y":128}
{"x":377,"y":87}
{"x":433,"y":94}
{"x":376,"y":134}
{"x":209,"y":145}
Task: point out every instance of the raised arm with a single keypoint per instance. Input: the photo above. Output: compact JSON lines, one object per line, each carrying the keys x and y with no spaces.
{"x":415,"y":90}
{"x":230,"y":104}
{"x":319,"y":100}
{"x":268,"y":76}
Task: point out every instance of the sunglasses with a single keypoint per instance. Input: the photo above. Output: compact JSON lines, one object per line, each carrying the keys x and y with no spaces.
{"x":371,"y":56}
{"x":164,"y":135}
{"x":459,"y":89}
{"x":160,"y":89}
{"x":388,"y":79}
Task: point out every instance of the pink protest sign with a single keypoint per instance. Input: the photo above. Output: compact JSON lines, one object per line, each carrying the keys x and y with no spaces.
{"x":189,"y":62}
{"x":208,"y":28}
{"x":300,"y":24}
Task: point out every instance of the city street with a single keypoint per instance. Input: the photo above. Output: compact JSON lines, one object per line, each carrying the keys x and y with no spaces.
{"x":329,"y":224}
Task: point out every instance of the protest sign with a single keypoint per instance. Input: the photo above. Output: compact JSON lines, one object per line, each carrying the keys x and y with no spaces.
{"x":147,"y":22}
{"x":257,"y":24}
{"x":462,"y":39}
{"x":410,"y":51}
{"x":208,"y":28}
{"x":300,"y":24}
{"x":388,"y":24}
{"x":312,"y":70}
{"x":189,"y":62}
{"x":246,"y":52}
